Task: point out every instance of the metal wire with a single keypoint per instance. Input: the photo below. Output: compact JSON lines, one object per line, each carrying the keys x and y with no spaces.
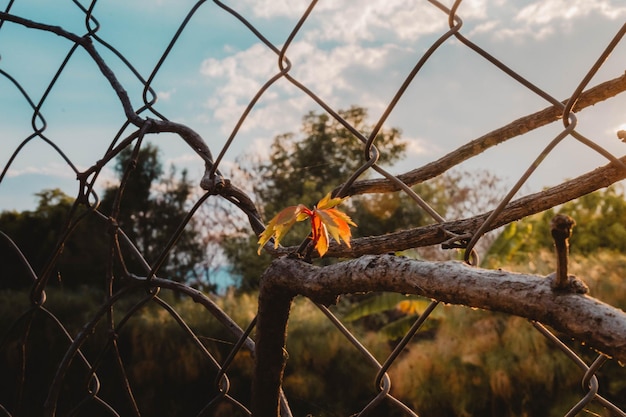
{"x":216,"y":185}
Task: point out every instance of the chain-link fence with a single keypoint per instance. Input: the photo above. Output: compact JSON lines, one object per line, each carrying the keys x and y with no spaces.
{"x":74,"y":385}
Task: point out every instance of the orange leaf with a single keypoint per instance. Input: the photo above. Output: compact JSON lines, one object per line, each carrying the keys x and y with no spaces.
{"x":320,"y":233}
{"x":409,"y":306}
{"x":328,"y":220}
{"x":337,"y":223}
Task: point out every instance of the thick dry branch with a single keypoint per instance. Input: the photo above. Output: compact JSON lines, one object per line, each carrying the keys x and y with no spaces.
{"x":439,"y":233}
{"x":271,"y":333}
{"x":584,"y":318}
{"x":516,"y":128}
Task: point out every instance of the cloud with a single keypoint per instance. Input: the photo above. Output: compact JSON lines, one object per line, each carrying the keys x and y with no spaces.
{"x":361,"y":21}
{"x":166,"y":95}
{"x":338,"y":75}
{"x":186,"y":158}
{"x":353,"y":53}
{"x":50,"y":170}
{"x":543,"y":18}
{"x":383,"y":19}
{"x":276,"y":8}
{"x":419,"y":147}
{"x":546,"y":11}
{"x":342,"y":47}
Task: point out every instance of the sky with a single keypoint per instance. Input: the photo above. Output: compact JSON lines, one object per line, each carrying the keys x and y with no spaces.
{"x":348,"y":52}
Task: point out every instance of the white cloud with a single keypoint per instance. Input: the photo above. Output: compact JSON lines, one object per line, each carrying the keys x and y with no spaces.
{"x":418,"y":147}
{"x":543,"y":18}
{"x":546,"y":11}
{"x":520,"y":34}
{"x":486,"y":27}
{"x":183,"y":159}
{"x":333,"y":74}
{"x":357,"y":21}
{"x":257,"y":61}
{"x":324,"y":70}
{"x":341,"y":45}
{"x":537,"y":20}
{"x":51,"y":170}
{"x":277,"y":8}
{"x":166,"y":95}
{"x":358,"y":53}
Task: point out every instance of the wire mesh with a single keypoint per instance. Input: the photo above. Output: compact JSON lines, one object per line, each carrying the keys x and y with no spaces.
{"x":146,"y":120}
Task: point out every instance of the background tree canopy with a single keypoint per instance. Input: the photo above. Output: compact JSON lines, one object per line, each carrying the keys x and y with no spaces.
{"x":301,"y":169}
{"x":153,"y":206}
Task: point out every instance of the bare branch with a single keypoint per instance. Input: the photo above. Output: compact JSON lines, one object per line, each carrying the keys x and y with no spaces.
{"x":599,"y":325}
{"x":271,"y":334}
{"x":439,"y":233}
{"x":475,"y":147}
{"x":561,"y":230}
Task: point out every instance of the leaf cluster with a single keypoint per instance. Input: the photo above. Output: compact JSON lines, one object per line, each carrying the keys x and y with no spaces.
{"x":325,"y":219}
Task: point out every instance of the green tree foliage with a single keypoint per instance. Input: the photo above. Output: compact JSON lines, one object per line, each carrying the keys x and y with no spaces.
{"x":304,"y":168}
{"x":152,"y":206}
{"x":36,"y":234}
{"x":151,"y":209}
{"x":325,"y":155}
{"x":600,"y":225}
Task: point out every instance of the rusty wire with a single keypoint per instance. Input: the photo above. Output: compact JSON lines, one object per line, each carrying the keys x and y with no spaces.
{"x":216,"y":186}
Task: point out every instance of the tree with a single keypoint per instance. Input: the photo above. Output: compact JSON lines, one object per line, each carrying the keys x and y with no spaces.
{"x":151,"y":208}
{"x":37,"y":232}
{"x":302,"y":169}
{"x":325,"y":155}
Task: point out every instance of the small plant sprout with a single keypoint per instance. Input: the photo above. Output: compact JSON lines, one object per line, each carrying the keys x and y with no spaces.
{"x":325,"y":220}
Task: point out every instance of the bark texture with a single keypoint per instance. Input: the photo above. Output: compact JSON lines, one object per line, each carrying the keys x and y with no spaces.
{"x":597,"y":324}
{"x":578,"y":315}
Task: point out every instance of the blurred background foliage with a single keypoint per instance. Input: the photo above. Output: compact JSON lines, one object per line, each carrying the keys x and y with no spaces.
{"x":463,"y":362}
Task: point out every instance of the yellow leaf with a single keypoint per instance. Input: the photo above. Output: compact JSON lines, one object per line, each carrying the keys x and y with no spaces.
{"x":409,"y":306}
{"x":327,"y":202}
{"x":337,"y":224}
{"x":330,"y":221}
{"x":281,"y":223}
